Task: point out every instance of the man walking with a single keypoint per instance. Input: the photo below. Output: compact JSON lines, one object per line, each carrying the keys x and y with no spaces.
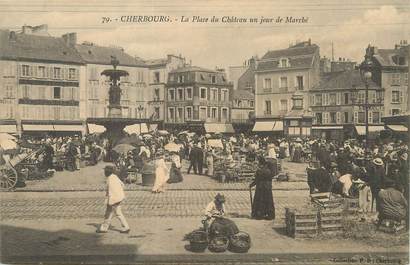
{"x":115,"y":195}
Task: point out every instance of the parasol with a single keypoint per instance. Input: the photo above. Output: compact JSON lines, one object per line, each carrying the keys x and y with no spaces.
{"x":162,"y":132}
{"x":147,"y":136}
{"x":8,"y":144}
{"x":123,"y":148}
{"x":183,"y":132}
{"x":132,"y":140}
{"x":172,"y":147}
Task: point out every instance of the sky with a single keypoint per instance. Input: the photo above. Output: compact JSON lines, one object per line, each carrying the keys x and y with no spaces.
{"x":351,"y":25}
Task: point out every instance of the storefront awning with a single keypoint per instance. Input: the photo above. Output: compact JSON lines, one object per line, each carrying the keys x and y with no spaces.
{"x":398,"y":128}
{"x":361,"y":130}
{"x":95,"y":128}
{"x":68,"y":128}
{"x":268,"y":126}
{"x":327,"y":128}
{"x":138,"y":128}
{"x":219,"y":128}
{"x":38,"y":127}
{"x":8,"y":128}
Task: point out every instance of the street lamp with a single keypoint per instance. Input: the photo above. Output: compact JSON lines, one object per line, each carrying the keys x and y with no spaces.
{"x":140,"y":109}
{"x":366,"y":74}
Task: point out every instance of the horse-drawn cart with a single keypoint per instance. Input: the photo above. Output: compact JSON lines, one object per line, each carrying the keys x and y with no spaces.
{"x":18,"y":168}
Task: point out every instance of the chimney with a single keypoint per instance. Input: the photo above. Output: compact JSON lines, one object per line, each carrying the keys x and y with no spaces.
{"x":27,"y":29}
{"x":12,"y":36}
{"x":40,"y":30}
{"x":70,"y":39}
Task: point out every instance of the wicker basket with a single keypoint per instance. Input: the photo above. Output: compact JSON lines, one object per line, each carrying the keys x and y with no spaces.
{"x":198,"y":241}
{"x":240,"y":243}
{"x":219,"y":244}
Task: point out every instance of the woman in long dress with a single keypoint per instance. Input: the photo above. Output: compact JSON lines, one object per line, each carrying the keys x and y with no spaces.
{"x":161,"y":174}
{"x":263,"y":206}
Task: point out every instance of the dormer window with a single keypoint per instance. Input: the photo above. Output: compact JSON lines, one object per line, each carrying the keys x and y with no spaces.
{"x":284,"y":62}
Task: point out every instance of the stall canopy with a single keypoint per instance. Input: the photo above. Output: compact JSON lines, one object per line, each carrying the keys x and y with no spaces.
{"x":398,"y":128}
{"x":219,"y":128}
{"x":268,"y":126}
{"x":327,"y":128}
{"x":138,"y":128}
{"x":67,"y":128}
{"x":8,"y":128}
{"x":361,"y":130}
{"x":95,"y":128}
{"x":38,"y":127}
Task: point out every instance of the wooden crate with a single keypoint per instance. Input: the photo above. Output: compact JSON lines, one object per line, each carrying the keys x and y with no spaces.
{"x":351,"y":205}
{"x":326,"y":200}
{"x":301,"y":223}
{"x":330,"y":221}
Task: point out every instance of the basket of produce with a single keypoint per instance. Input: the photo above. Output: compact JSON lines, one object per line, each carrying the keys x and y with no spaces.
{"x":198,"y":241}
{"x":219,"y":244}
{"x":240,"y":243}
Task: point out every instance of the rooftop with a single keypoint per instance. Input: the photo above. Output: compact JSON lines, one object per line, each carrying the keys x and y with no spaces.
{"x":192,"y":69}
{"x":242,"y":94}
{"x":92,"y":53}
{"x":342,"y":80}
{"x":386,"y":57}
{"x":20,"y":46}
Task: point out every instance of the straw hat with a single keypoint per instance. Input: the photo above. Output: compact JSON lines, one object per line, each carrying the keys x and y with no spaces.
{"x":378,"y":162}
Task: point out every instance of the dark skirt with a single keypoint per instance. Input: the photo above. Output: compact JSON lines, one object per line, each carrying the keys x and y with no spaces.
{"x":263,"y":206}
{"x":297,"y":155}
{"x":223,"y":227}
{"x":175,"y":175}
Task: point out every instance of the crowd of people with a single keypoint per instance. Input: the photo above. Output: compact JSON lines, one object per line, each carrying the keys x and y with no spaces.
{"x":347,"y":168}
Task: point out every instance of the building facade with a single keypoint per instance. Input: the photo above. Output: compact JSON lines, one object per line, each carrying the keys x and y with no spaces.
{"x":283,"y":79}
{"x":242,"y":111}
{"x":158,"y":71}
{"x":391,"y":72}
{"x":338,"y":106}
{"x":40,"y":83}
{"x":198,"y":97}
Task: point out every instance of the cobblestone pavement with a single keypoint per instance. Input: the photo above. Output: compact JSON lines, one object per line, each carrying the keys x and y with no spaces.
{"x":175,"y":203}
{"x":161,"y":240}
{"x":92,"y":179}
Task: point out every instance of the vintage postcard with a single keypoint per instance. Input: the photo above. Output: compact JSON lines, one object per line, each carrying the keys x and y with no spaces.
{"x":204,"y":132}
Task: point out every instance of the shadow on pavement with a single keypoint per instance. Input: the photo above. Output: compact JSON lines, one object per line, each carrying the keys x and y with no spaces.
{"x":25,"y":245}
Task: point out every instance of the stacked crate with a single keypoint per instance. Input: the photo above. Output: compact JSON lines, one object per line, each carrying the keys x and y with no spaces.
{"x":330,"y":221}
{"x":351,"y":205}
{"x":302,"y":223}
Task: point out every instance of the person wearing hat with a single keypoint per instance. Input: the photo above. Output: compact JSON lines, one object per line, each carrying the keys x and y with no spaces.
{"x":115,"y":196}
{"x":297,"y":151}
{"x":215,"y":220}
{"x":376,"y":176}
{"x":175,"y":175}
{"x":161,"y":173}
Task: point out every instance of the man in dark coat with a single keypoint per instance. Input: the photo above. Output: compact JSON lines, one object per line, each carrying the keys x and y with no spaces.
{"x":193,"y":160}
{"x":263,"y":206}
{"x":376,"y":176}
{"x":199,"y":158}
{"x":48,"y":157}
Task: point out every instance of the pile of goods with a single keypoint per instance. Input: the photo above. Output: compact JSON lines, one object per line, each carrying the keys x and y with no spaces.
{"x":199,"y":241}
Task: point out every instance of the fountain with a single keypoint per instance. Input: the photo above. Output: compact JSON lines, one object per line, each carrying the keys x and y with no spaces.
{"x":115,"y":122}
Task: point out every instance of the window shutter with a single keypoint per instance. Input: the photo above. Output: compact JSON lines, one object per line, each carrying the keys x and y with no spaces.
{"x":31,"y":71}
{"x":338,"y":117}
{"x":356,"y":117}
{"x":401,"y":96}
{"x":338,"y":98}
{"x":370,"y":117}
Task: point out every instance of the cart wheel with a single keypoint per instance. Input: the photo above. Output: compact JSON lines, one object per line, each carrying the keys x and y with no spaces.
{"x":8,"y":177}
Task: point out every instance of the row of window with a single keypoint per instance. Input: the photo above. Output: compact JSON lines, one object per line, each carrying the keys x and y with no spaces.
{"x":397,"y":79}
{"x":283,"y":83}
{"x":181,"y":78}
{"x":283,"y":105}
{"x":187,"y":94}
{"x":344,"y":117}
{"x":243,"y":103}
{"x":180,"y":114}
{"x":46,"y":112}
{"x":332,"y":99}
{"x":49,"y":72}
{"x":46,"y":92}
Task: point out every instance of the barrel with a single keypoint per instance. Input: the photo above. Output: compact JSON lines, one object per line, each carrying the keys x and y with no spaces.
{"x":148,"y":174}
